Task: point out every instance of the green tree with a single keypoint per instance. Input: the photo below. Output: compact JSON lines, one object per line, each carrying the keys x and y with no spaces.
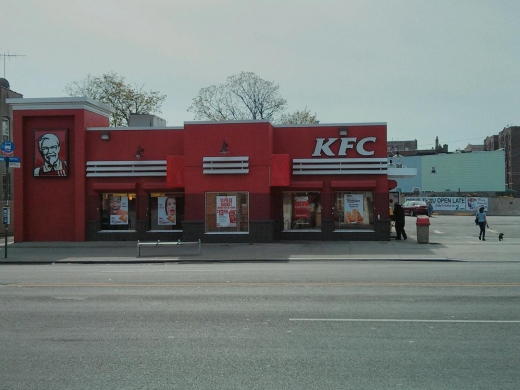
{"x":244,"y":97}
{"x":111,"y":89}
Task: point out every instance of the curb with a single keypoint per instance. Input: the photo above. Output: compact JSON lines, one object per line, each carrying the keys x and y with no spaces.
{"x":156,"y":260}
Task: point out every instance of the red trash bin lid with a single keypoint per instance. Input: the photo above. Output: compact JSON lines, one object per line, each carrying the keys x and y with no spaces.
{"x":423,"y":220}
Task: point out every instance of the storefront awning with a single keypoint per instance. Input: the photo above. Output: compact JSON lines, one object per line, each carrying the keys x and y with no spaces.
{"x":314,"y":184}
{"x":114,"y":187}
{"x":353,"y":184}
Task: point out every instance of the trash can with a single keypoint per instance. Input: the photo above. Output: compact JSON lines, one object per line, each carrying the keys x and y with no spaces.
{"x":423,"y":229}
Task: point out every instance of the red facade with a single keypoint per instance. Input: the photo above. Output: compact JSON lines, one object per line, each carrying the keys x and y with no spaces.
{"x":266,"y":170}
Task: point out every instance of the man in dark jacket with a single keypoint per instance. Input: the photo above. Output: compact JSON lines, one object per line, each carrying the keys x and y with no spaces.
{"x":399,"y":219}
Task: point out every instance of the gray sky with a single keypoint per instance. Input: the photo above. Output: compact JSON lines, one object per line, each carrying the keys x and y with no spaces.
{"x":446,"y":68}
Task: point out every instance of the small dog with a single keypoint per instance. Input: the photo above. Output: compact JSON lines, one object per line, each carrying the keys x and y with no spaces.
{"x":500,"y":236}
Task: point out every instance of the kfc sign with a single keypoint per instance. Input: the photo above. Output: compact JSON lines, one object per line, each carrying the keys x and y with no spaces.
{"x":323,"y":146}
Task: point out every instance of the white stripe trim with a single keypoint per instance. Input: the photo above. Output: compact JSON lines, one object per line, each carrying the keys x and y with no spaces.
{"x":340,"y":166}
{"x":404,"y":320}
{"x":336,"y":166}
{"x":65,"y":103}
{"x":225,"y":159}
{"x":225,"y":171}
{"x":117,"y":169}
{"x":126,"y":168}
{"x":225,"y":165}
{"x":340,"y":160}
{"x":341,"y":172}
{"x":121,"y":163}
{"x":127,"y":174}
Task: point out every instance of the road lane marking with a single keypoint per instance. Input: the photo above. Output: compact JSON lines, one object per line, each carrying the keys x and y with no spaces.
{"x":403,"y":320}
{"x":168,"y":270}
{"x":261,"y":284}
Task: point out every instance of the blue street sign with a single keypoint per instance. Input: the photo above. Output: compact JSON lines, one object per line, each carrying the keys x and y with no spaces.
{"x":11,"y":159}
{"x":7,"y":147}
{"x":6,"y":215}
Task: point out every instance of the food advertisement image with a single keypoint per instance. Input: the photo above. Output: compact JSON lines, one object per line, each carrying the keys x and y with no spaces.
{"x":353,"y":204}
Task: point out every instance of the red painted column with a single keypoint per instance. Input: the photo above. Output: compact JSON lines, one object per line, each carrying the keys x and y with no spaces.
{"x":52,"y":207}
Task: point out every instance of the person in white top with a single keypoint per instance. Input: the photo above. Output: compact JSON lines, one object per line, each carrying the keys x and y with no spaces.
{"x":482,"y":223}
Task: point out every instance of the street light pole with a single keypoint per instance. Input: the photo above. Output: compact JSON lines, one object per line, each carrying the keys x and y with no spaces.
{"x":6,"y":126}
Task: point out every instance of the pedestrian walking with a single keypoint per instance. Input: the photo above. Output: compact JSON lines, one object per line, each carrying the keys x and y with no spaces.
{"x":482,"y":223}
{"x":430,"y":207}
{"x":399,"y":219}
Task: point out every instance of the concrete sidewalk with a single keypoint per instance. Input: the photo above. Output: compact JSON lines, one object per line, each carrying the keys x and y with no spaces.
{"x":112,"y":252}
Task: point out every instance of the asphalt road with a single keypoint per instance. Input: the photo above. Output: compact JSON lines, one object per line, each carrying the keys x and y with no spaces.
{"x":313,"y":325}
{"x":460,"y":228}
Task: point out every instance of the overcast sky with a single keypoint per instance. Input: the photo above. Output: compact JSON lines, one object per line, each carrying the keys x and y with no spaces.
{"x":446,"y":68}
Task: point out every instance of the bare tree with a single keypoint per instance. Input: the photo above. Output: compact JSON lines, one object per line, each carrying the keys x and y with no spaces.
{"x":241,"y":97}
{"x":111,"y":89}
{"x":298,"y":118}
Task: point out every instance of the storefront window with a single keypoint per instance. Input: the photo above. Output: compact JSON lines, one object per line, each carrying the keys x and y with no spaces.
{"x":353,"y":210}
{"x":227,"y":212}
{"x":117,"y":211}
{"x":166,"y":211}
{"x":302,"y":210}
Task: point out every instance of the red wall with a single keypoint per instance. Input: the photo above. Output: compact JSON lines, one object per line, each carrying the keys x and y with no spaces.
{"x":300,"y":142}
{"x":123,"y":144}
{"x":253,"y":139}
{"x":51,"y":208}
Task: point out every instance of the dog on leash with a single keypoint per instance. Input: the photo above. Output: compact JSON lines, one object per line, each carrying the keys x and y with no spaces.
{"x":500,"y":236}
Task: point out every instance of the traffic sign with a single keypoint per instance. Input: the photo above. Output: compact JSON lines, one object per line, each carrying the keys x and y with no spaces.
{"x":7,"y":148}
{"x":6,"y":215}
{"x":14,"y":162}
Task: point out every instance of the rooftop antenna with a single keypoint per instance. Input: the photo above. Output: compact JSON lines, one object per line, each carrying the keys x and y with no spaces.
{"x":5,"y":55}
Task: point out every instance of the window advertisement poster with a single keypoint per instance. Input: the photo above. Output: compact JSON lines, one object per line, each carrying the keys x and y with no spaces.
{"x":301,"y":207}
{"x":353,"y":204}
{"x":118,"y":210}
{"x":473,"y":204}
{"x":166,"y":210}
{"x":226,"y":211}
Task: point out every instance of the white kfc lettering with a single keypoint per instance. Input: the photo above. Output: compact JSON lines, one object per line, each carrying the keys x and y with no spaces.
{"x":346,"y":143}
{"x":361,"y":146}
{"x":325,"y":148}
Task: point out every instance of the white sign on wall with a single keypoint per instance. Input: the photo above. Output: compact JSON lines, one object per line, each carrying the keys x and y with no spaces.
{"x":455,"y":203}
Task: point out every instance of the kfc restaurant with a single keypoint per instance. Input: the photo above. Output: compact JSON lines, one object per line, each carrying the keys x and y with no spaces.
{"x":246,"y":181}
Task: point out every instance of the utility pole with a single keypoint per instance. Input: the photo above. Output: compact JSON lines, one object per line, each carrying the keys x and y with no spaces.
{"x":7,"y":55}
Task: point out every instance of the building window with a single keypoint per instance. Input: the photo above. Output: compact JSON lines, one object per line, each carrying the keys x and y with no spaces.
{"x":434,"y":170}
{"x":301,"y":210}
{"x":227,"y":212}
{"x":117,"y":211}
{"x":166,"y":211}
{"x":353,"y":210}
